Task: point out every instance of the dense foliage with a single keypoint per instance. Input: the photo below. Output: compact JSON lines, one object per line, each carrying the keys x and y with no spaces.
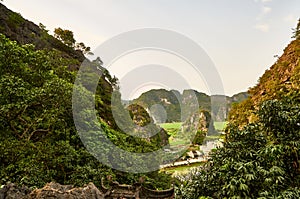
{"x":259,"y":161}
{"x":67,"y":37}
{"x":260,"y":157}
{"x":297,"y":31}
{"x":39,"y":142}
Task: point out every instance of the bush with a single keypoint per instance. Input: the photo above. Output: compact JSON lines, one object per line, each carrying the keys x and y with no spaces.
{"x":258,"y":161}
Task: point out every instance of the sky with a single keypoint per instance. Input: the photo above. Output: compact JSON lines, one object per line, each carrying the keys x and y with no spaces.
{"x":240,"y":37}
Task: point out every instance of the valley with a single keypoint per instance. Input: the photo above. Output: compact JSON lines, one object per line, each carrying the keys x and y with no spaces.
{"x":66,"y":132}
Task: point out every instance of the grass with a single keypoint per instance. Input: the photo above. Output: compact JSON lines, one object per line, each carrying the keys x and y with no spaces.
{"x":220,"y":126}
{"x":175,"y":142}
{"x":173,"y":128}
{"x":182,"y":168}
{"x":213,"y":137}
{"x":174,"y":125}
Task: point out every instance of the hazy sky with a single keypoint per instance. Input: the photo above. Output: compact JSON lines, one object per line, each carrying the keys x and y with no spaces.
{"x":241,"y":37}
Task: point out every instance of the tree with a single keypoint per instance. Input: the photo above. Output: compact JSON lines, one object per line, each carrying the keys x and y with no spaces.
{"x":84,"y":49}
{"x":39,"y":142}
{"x":259,"y":161}
{"x":43,"y":27}
{"x":66,"y":36}
{"x":296,"y":31}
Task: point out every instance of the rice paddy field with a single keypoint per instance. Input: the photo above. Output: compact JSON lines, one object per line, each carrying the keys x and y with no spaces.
{"x":172,"y":129}
{"x":220,"y":126}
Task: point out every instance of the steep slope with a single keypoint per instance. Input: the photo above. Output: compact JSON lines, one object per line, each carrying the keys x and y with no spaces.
{"x":15,"y":27}
{"x":280,"y":81}
{"x":198,"y":126}
{"x":23,"y":31}
{"x":39,"y":141}
{"x":260,"y":154}
{"x":154,"y":100}
{"x":172,"y":101}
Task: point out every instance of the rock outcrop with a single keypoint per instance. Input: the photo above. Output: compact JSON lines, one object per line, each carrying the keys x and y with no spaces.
{"x":12,"y":191}
{"x":278,"y":82}
{"x":54,"y":190}
{"x":171,"y":106}
{"x":15,"y":27}
{"x":57,"y":191}
{"x":198,"y":126}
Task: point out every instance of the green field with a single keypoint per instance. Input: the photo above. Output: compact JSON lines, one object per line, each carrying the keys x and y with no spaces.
{"x":173,"y":125}
{"x":175,"y":140}
{"x":220,"y":126}
{"x":171,"y":128}
{"x":181,"y":169}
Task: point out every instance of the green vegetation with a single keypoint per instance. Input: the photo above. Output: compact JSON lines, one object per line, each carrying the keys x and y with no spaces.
{"x":172,"y":130}
{"x":139,"y":115}
{"x":174,"y":102}
{"x":280,"y":81}
{"x":173,"y":125}
{"x":167,"y":99}
{"x":260,"y":157}
{"x":297,"y":31}
{"x":195,"y":133}
{"x":220,"y":126}
{"x":182,"y":169}
{"x":15,"y":19}
{"x":39,"y":142}
{"x":213,"y":137}
{"x":67,"y":37}
{"x":259,"y":161}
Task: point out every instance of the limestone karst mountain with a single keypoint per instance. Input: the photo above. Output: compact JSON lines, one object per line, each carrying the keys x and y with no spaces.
{"x":173,"y":102}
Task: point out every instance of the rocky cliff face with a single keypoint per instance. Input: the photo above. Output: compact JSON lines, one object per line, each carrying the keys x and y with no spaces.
{"x":280,"y":81}
{"x":90,"y":191}
{"x":198,"y":126}
{"x":55,"y":190}
{"x":144,"y":123}
{"x":281,"y":78}
{"x":15,"y":27}
{"x":174,"y":102}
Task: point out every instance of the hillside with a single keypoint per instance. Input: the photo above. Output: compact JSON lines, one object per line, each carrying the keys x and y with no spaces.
{"x":15,"y":27}
{"x":172,"y":101}
{"x":278,"y":82}
{"x":260,"y":155}
{"x":39,"y":140}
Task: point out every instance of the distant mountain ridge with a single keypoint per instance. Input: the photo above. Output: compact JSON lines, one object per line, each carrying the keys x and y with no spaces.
{"x":172,"y":100}
{"x":19,"y":29}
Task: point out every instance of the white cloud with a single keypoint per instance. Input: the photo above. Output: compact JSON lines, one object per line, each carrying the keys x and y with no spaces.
{"x":290,"y":18}
{"x":263,"y":1}
{"x":262,"y":27}
{"x":266,"y":10}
